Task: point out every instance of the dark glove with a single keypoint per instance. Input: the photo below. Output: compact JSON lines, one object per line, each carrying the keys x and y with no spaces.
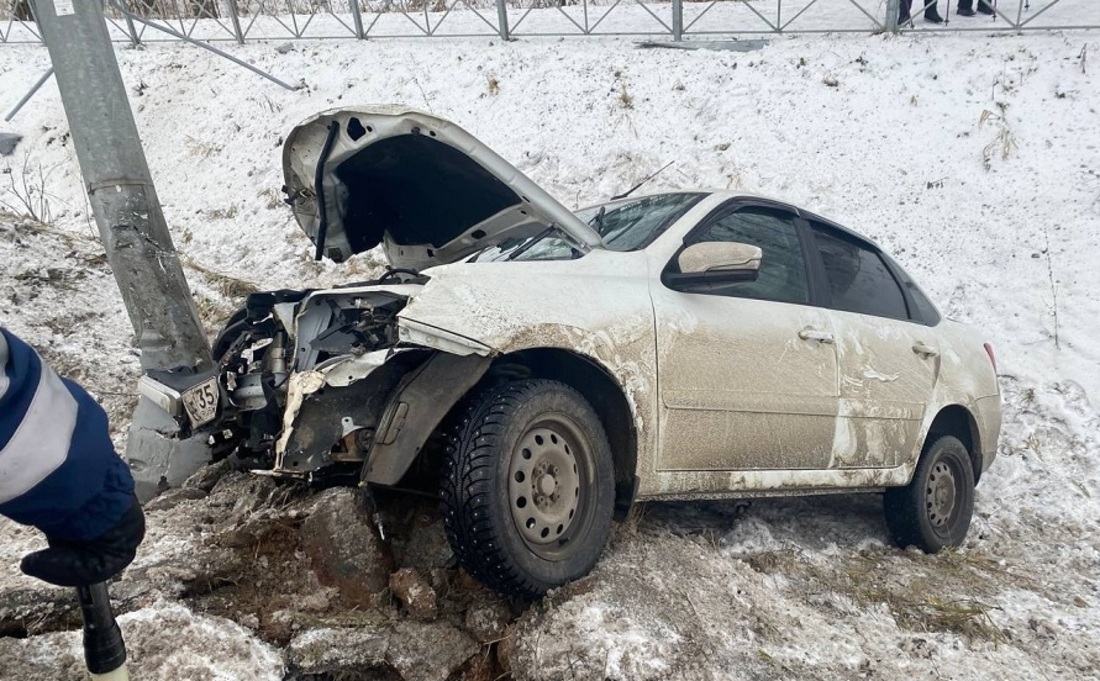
{"x":82,"y":563}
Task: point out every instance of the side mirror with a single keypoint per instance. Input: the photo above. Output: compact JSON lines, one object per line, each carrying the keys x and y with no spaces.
{"x":717,"y":262}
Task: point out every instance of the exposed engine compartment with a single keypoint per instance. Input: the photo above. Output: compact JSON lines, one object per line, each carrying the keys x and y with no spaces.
{"x":335,"y":338}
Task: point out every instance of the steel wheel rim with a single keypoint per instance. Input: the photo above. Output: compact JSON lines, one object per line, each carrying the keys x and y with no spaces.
{"x":547,"y":486}
{"x":942,"y":495}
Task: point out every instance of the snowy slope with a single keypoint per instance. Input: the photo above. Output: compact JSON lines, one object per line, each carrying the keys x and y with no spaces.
{"x":974,"y":160}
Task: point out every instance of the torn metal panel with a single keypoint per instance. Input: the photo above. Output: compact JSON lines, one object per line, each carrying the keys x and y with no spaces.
{"x":355,"y":368}
{"x":301,"y":385}
{"x":325,"y":418}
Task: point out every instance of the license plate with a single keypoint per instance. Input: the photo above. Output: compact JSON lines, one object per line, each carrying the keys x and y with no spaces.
{"x":201,"y":402}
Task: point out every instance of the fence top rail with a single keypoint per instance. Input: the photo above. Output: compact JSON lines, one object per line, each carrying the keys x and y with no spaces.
{"x":257,"y":20}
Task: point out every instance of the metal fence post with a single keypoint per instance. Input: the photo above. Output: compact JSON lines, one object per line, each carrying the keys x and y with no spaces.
{"x":236,"y":20}
{"x":357,"y":19}
{"x":134,"y":39}
{"x":502,"y":20}
{"x":30,"y":93}
{"x":677,"y":20}
{"x":892,"y":9}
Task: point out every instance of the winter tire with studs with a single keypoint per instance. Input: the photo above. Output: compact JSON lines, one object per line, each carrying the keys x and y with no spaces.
{"x":528,"y":487}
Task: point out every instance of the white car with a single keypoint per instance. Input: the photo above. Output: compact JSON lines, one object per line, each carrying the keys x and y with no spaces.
{"x":547,"y":369}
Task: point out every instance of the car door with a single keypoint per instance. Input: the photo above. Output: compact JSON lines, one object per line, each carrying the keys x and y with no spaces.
{"x":747,"y":372}
{"x":888,"y":363}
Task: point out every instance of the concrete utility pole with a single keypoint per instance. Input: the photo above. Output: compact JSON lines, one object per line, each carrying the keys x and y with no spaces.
{"x":131,"y":224}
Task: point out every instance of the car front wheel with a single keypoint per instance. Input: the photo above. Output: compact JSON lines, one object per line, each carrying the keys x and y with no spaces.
{"x":934,"y":510}
{"x":528,"y":488}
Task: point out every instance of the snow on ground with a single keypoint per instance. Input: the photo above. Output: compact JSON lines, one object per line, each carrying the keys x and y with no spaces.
{"x":163,"y":641}
{"x":975,"y":160}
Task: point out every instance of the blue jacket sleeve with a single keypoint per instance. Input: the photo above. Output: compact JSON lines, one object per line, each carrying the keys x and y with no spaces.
{"x":58,"y":468}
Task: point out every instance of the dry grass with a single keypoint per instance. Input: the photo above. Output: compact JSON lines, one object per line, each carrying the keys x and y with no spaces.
{"x":626,"y":101}
{"x":1004,"y":142}
{"x":274,"y":200}
{"x":970,"y":619}
{"x":227,"y":213}
{"x":26,"y":187}
{"x":212,"y":313}
{"x":201,"y":149}
{"x":940,"y":593}
{"x":229,"y":286}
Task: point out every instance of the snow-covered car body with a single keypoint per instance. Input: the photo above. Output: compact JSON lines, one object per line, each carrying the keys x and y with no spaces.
{"x":718,"y":336}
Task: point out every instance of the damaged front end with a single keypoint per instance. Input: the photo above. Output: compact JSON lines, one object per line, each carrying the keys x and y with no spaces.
{"x":337,"y":379}
{"x":312,"y":381}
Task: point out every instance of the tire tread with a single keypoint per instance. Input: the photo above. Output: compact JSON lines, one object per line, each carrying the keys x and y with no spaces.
{"x":468,"y":475}
{"x":903,"y":506}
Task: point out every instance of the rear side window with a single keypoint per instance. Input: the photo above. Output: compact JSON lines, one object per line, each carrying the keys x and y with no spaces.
{"x":858,"y":279}
{"x":923,"y":309}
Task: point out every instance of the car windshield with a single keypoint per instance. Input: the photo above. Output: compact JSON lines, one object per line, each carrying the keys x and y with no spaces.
{"x":624,"y":224}
{"x":633,"y":224}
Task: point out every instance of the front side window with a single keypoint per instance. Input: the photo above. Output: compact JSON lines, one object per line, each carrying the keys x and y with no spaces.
{"x":782,"y":274}
{"x":858,"y":279}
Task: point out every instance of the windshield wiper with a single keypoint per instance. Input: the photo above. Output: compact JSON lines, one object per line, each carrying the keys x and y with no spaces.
{"x":531,"y":242}
{"x":599,"y":220}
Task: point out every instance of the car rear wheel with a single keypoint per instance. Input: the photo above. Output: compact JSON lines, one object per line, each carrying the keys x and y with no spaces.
{"x":935,"y":509}
{"x":528,"y":488}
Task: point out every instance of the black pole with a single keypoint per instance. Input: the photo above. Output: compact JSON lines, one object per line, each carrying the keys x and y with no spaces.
{"x":104,"y":650}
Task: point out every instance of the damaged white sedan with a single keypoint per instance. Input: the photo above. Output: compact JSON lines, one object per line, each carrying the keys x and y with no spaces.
{"x":547,"y":369}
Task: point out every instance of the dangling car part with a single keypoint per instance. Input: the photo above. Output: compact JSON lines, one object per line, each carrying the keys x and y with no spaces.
{"x":549,"y":368}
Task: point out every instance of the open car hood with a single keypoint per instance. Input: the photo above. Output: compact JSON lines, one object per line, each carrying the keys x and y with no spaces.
{"x":422,"y":186}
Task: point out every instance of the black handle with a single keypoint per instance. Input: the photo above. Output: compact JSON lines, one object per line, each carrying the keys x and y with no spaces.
{"x":104,"y":650}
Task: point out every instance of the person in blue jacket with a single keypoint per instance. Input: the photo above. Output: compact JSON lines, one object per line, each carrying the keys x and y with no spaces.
{"x":59,"y":472}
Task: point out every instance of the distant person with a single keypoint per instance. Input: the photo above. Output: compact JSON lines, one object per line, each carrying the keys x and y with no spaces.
{"x":931,"y":13}
{"x":59,"y":472}
{"x":966,"y":7}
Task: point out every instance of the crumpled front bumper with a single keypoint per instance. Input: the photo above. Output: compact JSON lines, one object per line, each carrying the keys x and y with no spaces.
{"x":193,"y":401}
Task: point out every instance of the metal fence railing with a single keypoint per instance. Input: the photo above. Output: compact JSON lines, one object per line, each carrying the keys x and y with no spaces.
{"x":244,"y":20}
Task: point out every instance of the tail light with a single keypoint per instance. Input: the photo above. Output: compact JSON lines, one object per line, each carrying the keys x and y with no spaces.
{"x":992,"y":357}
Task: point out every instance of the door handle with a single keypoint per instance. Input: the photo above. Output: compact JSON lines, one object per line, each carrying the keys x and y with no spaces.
{"x":816,"y":335}
{"x":925,"y":350}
